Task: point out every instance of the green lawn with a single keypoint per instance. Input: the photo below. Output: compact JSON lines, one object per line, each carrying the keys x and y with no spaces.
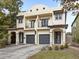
{"x":61,"y":54}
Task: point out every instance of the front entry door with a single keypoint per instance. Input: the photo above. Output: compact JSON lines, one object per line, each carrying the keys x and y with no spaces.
{"x":57,"y":37}
{"x":13,"y":37}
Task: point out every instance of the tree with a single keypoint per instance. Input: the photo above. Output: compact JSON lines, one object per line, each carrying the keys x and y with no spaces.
{"x":8,"y":19}
{"x":69,"y":4}
{"x":13,"y":7}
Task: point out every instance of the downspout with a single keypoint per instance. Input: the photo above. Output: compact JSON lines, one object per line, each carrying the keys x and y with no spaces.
{"x":65,"y":16}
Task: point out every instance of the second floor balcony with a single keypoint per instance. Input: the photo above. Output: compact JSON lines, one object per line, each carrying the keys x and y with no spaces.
{"x":37,"y":23}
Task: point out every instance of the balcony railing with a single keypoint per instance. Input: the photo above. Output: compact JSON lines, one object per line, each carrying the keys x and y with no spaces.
{"x":39,"y":23}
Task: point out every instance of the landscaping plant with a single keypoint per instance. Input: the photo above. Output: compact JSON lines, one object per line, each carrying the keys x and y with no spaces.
{"x":61,"y":47}
{"x":56,"y":48}
{"x":66,"y":45}
{"x":50,"y":48}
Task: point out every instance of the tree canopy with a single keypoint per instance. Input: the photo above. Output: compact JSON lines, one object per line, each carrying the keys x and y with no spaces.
{"x":13,"y":7}
{"x":8,"y":13}
{"x":69,"y":4}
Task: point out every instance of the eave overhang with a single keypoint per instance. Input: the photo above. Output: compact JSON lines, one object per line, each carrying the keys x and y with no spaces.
{"x":59,"y":26}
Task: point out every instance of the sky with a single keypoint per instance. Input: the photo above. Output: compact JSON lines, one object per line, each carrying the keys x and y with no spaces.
{"x":27,"y":4}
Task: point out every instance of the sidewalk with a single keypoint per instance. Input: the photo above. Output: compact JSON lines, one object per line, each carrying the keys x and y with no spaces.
{"x":75,"y":48}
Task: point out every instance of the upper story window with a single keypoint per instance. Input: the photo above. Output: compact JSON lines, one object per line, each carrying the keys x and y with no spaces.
{"x":32,"y":23}
{"x":58,"y":16}
{"x":20,"y":19}
{"x":44,"y":22}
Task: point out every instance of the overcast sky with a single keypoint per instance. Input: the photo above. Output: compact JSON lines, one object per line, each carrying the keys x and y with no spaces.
{"x":50,"y":3}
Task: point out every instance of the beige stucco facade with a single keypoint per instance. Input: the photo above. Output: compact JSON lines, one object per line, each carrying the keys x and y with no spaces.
{"x":37,"y":13}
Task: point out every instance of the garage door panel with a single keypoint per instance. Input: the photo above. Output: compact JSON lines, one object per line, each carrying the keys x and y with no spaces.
{"x":44,"y":39}
{"x":30,"y":39}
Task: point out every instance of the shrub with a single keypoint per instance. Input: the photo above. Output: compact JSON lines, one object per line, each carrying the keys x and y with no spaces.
{"x":2,"y":43}
{"x":43,"y":49}
{"x":56,"y":48}
{"x":50,"y":48}
{"x":66,"y":45}
{"x":61,"y":47}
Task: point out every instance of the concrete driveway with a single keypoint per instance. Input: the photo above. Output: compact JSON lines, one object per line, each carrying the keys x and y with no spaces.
{"x":19,"y":52}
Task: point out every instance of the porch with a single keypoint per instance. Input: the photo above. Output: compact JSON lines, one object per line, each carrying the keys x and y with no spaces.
{"x":53,"y":36}
{"x":57,"y":36}
{"x":16,"y":36}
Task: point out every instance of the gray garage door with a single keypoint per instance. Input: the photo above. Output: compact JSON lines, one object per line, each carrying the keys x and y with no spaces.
{"x":44,"y":39}
{"x":30,"y":39}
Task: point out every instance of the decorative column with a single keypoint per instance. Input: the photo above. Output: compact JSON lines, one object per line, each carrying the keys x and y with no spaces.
{"x":24,"y":22}
{"x":36,"y":32}
{"x":24,"y":38}
{"x":64,"y":38}
{"x":17,"y":38}
{"x":9,"y":37}
{"x":51,"y":37}
{"x":36,"y":37}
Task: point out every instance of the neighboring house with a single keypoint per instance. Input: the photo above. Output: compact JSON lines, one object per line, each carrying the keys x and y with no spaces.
{"x":75,"y":29}
{"x":39,"y":25}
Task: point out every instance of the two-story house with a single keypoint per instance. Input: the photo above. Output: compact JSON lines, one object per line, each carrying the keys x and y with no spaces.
{"x":39,"y":25}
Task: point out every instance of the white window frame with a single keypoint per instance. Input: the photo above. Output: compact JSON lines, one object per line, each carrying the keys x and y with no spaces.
{"x":58,"y":16}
